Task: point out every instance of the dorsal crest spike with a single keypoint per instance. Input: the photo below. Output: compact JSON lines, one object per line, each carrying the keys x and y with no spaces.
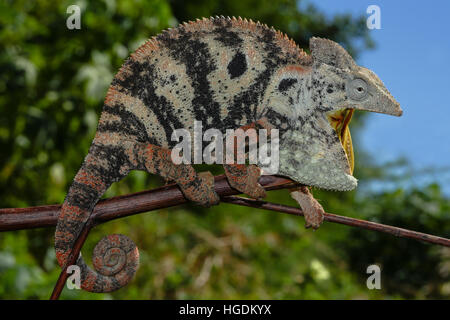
{"x":286,"y":44}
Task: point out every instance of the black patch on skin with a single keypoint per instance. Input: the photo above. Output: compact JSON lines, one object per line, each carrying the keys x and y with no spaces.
{"x":116,"y":159}
{"x":301,"y":121}
{"x":285,"y":84}
{"x":228,"y":38}
{"x":277,"y":120}
{"x":247,"y":102}
{"x":291,"y":101}
{"x":195,"y":55}
{"x":225,"y":35}
{"x":237,"y":66}
{"x":82,"y":196}
{"x":330,"y":88}
{"x":129,"y":124}
{"x":322,"y":134}
{"x":140,"y":84}
{"x":72,"y":227}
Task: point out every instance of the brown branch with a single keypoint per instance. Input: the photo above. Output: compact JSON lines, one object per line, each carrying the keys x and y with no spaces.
{"x":122,"y":206}
{"x":170,"y":195}
{"x":395,"y":231}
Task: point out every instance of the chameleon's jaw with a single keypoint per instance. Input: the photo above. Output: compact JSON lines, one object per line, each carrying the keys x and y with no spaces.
{"x":316,"y":159}
{"x":339,"y":121}
{"x":380,"y":103}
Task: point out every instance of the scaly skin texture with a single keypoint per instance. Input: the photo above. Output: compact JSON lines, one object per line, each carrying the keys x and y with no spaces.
{"x":227,"y":73}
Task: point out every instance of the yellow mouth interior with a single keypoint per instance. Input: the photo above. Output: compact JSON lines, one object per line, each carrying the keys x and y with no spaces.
{"x":339,"y":120}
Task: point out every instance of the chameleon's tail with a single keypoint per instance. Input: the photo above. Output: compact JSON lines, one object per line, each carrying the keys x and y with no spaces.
{"x":115,"y":257}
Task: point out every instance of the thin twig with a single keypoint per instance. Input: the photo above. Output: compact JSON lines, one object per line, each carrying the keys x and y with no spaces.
{"x":395,"y":231}
{"x":59,"y":286}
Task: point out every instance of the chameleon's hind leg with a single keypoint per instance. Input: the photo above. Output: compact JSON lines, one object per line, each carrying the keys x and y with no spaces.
{"x":197,"y":187}
{"x":312,"y":209}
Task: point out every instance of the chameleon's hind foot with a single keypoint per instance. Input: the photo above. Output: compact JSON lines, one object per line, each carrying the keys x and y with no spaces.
{"x":245,"y":179}
{"x":312,"y":209}
{"x":196,"y":187}
{"x":203,"y":192}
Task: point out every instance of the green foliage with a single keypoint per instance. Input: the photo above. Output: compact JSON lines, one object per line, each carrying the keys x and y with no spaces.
{"x":52,"y":84}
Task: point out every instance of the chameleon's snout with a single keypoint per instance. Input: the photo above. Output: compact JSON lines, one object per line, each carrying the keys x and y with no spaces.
{"x":388,"y":105}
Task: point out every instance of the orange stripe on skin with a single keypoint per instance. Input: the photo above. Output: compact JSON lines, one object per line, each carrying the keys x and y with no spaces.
{"x":71,"y":212}
{"x":89,"y":282}
{"x":62,"y":257}
{"x":97,"y":261}
{"x":114,"y":239}
{"x":111,"y":95}
{"x":90,"y":160}
{"x":293,"y":69}
{"x":88,"y":179}
{"x":65,"y":236}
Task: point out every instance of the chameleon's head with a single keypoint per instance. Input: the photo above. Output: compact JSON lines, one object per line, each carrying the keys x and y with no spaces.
{"x":317,"y":150}
{"x":340,"y":83}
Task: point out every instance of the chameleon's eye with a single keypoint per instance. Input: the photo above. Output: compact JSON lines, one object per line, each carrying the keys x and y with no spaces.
{"x":357,"y":89}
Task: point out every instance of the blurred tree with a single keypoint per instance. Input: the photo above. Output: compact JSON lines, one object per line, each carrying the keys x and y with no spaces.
{"x":52,"y":84}
{"x":409,"y":268}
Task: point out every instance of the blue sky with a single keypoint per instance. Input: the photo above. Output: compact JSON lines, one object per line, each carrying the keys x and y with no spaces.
{"x":412,"y":58}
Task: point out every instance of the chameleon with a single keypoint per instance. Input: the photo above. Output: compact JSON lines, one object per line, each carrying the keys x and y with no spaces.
{"x":227,"y":73}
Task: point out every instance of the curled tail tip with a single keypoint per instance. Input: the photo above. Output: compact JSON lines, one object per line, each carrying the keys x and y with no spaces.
{"x":115,"y":259}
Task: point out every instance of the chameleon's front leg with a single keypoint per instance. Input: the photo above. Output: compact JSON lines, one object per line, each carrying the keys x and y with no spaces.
{"x":245,"y":178}
{"x":197,"y":187}
{"x":312,"y":209}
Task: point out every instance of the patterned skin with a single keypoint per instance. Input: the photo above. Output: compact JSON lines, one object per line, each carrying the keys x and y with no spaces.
{"x":228,"y":73}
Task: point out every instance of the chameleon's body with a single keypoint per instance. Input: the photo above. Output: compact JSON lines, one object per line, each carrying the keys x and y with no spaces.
{"x":226,"y":73}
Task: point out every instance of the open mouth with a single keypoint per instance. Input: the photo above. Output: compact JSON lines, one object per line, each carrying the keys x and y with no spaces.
{"x":339,"y":120}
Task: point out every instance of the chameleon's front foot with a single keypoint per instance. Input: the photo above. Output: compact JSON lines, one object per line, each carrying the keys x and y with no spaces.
{"x":201,"y":191}
{"x":245,"y":179}
{"x":312,"y":209}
